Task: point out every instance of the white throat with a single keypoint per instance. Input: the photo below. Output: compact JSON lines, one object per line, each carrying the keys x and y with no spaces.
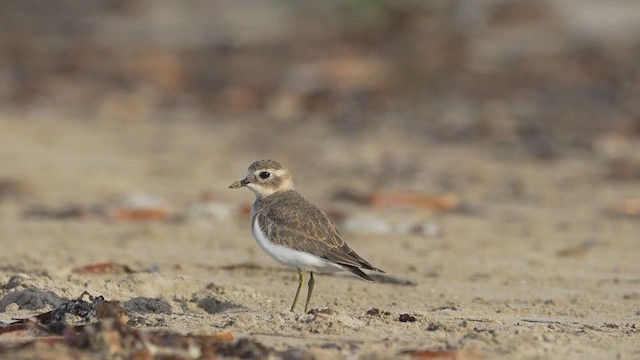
{"x":259,"y":191}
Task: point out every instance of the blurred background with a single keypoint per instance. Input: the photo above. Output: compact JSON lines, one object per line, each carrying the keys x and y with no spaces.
{"x":548,"y":73}
{"x":339,"y":82}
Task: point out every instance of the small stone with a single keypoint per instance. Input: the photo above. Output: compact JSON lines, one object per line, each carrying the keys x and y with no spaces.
{"x":13,"y":307}
{"x":144,"y":305}
{"x":316,"y":311}
{"x":434,"y":326}
{"x":407,"y":318}
{"x":31,"y":299}
{"x":377,"y":312}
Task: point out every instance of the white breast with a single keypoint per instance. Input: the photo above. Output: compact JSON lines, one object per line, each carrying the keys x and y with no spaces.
{"x":292,"y":258}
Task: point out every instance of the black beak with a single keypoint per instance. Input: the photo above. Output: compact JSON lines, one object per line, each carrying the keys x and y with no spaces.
{"x":239,"y":184}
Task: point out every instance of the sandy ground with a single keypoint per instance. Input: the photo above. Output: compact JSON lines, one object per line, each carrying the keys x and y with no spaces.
{"x":533,"y":267}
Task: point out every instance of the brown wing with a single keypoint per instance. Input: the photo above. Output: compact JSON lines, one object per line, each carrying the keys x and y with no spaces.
{"x":308,"y":230}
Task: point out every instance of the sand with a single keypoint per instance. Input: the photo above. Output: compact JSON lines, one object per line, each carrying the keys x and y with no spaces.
{"x":532,"y":266}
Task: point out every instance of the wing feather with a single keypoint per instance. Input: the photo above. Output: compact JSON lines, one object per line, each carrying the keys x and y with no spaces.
{"x":308,"y":230}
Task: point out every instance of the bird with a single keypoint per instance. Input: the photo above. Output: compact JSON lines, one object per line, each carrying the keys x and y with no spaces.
{"x":294,"y":231}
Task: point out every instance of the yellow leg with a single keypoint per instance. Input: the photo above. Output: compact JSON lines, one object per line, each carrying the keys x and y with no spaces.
{"x":300,"y":281}
{"x":311,"y":283}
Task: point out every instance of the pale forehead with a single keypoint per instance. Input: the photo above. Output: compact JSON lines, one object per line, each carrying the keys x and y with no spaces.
{"x":265,"y":164}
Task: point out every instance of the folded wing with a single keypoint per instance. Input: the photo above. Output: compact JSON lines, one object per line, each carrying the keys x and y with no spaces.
{"x":310,"y":231}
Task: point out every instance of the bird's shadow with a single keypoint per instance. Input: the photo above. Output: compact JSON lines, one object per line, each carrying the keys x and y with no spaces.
{"x":381,"y":278}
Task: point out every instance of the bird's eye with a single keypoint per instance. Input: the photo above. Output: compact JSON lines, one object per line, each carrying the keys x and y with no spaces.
{"x":265,"y":175}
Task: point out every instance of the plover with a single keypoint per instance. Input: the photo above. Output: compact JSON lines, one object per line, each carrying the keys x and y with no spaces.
{"x":293,"y":231}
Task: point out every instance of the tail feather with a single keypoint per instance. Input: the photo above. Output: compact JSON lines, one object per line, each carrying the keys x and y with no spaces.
{"x":357,"y":271}
{"x":364,"y":263}
{"x":371,"y":267}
